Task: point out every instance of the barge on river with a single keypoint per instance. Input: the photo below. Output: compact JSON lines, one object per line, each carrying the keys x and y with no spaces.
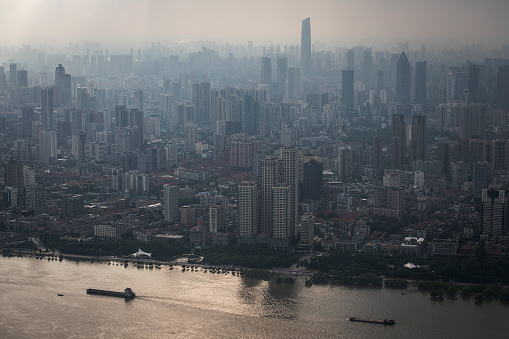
{"x":382,"y":322}
{"x":127,"y":294}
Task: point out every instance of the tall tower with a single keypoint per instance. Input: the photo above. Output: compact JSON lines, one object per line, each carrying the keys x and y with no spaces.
{"x":22,"y":78}
{"x":367,"y":67}
{"x":47,"y":145}
{"x":503,"y":87}
{"x":377,"y":152}
{"x":201,"y":102}
{"x":420,"y":82}
{"x":282,"y":74}
{"x":269,"y":168}
{"x":403,"y":80}
{"x":248,"y":212}
{"x":290,"y":177}
{"x":347,"y":89}
{"x":171,"y":202}
{"x":418,"y":142}
{"x":473,"y":82}
{"x":266,"y":71}
{"x":13,"y":74}
{"x":47,"y":108}
{"x":345,"y":164}
{"x":495,"y":213}
{"x":350,"y":60}
{"x":294,"y":83}
{"x":63,"y":85}
{"x":313,"y":180}
{"x":305,"y":47}
{"x":398,"y":140}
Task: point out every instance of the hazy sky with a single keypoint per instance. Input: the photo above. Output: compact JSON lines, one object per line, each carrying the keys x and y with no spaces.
{"x":345,"y":23}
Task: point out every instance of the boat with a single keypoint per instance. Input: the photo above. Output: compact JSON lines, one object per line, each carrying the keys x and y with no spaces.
{"x":60,"y":295}
{"x":127,"y":294}
{"x":382,"y":322}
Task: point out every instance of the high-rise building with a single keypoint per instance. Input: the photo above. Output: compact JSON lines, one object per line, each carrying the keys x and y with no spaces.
{"x":266,"y":71}
{"x":307,"y":230}
{"x":367,"y":67}
{"x":14,"y":174}
{"x":249,"y":210}
{"x":78,"y":141}
{"x":290,"y":178}
{"x":418,"y":141}
{"x":139,"y":100}
{"x":389,"y":201}
{"x":282,"y":75}
{"x":344,"y":168}
{"x":443,"y":155}
{"x":270,"y":174}
{"x":403,"y":80}
{"x":472,"y":121}
{"x":201,"y":102}
{"x":398,"y":140}
{"x":350,"y":60}
{"x":377,"y":152}
{"x":171,"y":203}
{"x":312,"y":186}
{"x":305,"y":47}
{"x":473,"y":82}
{"x":482,"y":175}
{"x":282,"y":228}
{"x":47,"y":109}
{"x":190,"y":137}
{"x":47,"y":145}
{"x":503,"y":88}
{"x":22,"y":78}
{"x":62,"y":85}
{"x":13,"y":74}
{"x":347,"y":89}
{"x":73,"y":206}
{"x":495,"y":213}
{"x":420,"y":82}
{"x":250,"y":115}
{"x":216,"y":219}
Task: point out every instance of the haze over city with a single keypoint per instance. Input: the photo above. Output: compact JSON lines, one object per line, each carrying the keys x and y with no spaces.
{"x":335,"y":23}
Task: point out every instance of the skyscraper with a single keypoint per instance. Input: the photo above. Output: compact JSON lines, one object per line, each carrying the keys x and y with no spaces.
{"x":269,"y":168}
{"x":282,"y":75}
{"x":171,"y":203}
{"x":266,"y":70}
{"x":418,"y":142}
{"x":350,"y":60}
{"x":495,"y":213}
{"x":420,"y":82}
{"x":249,"y":209}
{"x":377,"y":152}
{"x":347,"y":89}
{"x":313,"y":181}
{"x":47,"y":145}
{"x":473,"y":82}
{"x":201,"y":102}
{"x":305,"y":47}
{"x":13,"y":74}
{"x":398,"y":140}
{"x":22,"y":78}
{"x":62,"y":85}
{"x":503,"y":87}
{"x":367,"y":67}
{"x":290,"y":177}
{"x":403,"y":80}
{"x":47,"y":108}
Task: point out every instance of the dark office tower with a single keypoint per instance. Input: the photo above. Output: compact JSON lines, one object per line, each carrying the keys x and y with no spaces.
{"x":420,"y":82}
{"x":380,"y":80}
{"x":443,"y":155}
{"x":282,"y":74}
{"x":64,"y":131}
{"x":305,"y":48}
{"x":14,"y":175}
{"x":473,"y":82}
{"x":3,"y":79}
{"x":350,"y":60}
{"x":137,"y":120}
{"x":418,"y":141}
{"x":201,"y":102}
{"x":22,"y":78}
{"x":473,"y":121}
{"x":313,"y":180}
{"x":377,"y":153}
{"x":266,"y":71}
{"x":47,"y":108}
{"x":63,"y":85}
{"x":250,"y":115}
{"x":398,"y":140}
{"x":503,"y":88}
{"x":27,"y":117}
{"x":122,"y":117}
{"x":347,"y":89}
{"x":403,"y":80}
{"x":13,"y":74}
{"x":367,"y":67}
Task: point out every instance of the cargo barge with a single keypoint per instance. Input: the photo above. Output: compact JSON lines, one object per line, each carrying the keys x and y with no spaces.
{"x":381,"y":322}
{"x":127,"y":294}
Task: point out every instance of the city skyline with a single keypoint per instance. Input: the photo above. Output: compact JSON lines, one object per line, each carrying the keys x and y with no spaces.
{"x":335,"y":23}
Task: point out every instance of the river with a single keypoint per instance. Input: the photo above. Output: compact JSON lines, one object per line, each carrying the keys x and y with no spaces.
{"x":177,"y":304}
